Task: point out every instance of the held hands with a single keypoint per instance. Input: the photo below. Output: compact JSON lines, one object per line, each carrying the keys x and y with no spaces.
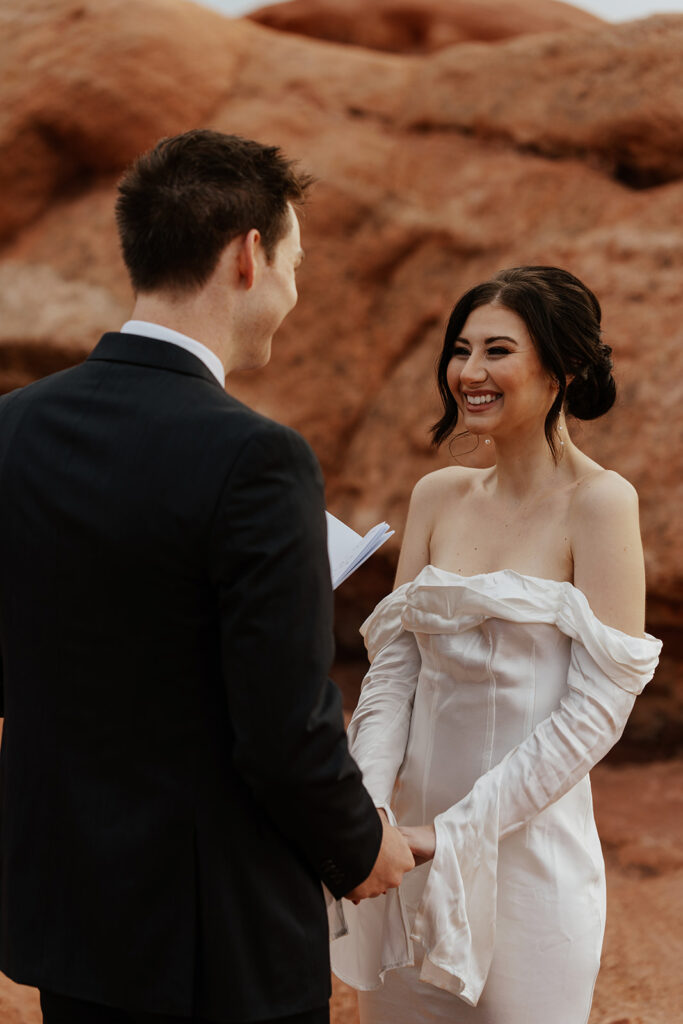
{"x":393,"y":860}
{"x":422,"y":841}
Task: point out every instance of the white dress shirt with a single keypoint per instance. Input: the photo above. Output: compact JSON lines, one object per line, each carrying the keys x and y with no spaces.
{"x":150,"y":330}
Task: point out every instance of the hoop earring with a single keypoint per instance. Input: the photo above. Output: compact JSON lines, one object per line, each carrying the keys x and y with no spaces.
{"x":463,"y":433}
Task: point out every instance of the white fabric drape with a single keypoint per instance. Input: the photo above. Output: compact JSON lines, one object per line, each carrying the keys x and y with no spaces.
{"x":456,"y":918}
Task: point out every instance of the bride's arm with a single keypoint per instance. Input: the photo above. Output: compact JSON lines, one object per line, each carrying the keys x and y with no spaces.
{"x":419,"y":524}
{"x":378,"y":732}
{"x":609,"y":567}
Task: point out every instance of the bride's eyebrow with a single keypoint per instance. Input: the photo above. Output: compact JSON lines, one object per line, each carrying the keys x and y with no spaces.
{"x":489,"y":341}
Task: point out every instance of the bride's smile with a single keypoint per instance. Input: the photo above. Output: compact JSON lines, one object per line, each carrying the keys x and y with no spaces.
{"x":477,"y":401}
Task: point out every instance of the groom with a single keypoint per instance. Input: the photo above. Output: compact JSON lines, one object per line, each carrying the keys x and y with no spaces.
{"x":175,"y":778}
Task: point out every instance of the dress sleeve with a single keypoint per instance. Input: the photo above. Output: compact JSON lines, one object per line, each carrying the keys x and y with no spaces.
{"x":378,"y":732}
{"x":456,"y":920}
{"x":374,"y":936}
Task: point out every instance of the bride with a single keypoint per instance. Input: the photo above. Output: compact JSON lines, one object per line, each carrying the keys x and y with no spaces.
{"x":503,"y":667}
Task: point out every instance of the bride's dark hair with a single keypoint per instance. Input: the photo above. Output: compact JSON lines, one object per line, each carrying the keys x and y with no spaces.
{"x":562,"y":317}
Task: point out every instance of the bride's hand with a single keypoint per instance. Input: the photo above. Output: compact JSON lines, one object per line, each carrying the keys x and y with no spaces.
{"x":421,"y":840}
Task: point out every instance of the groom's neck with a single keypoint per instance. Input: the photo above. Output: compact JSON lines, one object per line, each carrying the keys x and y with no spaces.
{"x":189,"y":314}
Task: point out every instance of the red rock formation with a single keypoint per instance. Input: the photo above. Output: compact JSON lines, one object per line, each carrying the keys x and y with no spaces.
{"x":564,"y":96}
{"x":434,"y":172}
{"x":86,"y":86}
{"x":422,"y":26}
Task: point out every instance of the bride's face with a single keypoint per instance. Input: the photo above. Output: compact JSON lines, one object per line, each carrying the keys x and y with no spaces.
{"x":496,"y":376}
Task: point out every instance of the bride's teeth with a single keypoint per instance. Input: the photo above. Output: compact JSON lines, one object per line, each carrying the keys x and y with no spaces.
{"x":480,"y":399}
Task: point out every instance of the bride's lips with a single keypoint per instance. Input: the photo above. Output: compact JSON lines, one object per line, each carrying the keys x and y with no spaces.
{"x":478,"y":407}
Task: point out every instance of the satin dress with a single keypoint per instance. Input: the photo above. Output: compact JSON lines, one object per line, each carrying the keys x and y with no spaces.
{"x":488,"y":700}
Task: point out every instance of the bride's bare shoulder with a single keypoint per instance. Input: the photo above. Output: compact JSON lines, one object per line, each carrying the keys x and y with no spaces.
{"x":601,"y":494}
{"x":444,"y":483}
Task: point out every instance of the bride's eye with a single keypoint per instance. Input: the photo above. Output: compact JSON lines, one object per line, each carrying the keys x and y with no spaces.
{"x":498,"y":350}
{"x":460,"y":350}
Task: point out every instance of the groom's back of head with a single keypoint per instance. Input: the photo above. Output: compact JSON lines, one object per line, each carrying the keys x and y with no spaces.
{"x":181,"y":203}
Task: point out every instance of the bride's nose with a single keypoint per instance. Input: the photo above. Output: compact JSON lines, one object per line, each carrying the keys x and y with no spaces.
{"x":474,"y":370}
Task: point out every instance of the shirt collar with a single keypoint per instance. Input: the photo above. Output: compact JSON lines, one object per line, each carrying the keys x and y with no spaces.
{"x":150,"y":330}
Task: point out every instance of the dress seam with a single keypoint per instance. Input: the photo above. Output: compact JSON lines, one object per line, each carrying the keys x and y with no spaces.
{"x":426,"y":772}
{"x":487,"y":754}
{"x":529,"y":723}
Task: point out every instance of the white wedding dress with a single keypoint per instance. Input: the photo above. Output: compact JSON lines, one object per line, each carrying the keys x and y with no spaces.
{"x":488,"y":700}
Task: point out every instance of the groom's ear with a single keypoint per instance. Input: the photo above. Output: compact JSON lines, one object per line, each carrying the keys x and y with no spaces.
{"x":246,"y":258}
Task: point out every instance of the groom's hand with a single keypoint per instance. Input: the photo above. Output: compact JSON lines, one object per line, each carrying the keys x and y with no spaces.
{"x":393,"y":860}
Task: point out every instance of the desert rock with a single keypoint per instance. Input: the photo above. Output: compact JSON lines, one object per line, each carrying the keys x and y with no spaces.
{"x":86,"y":86}
{"x":422,"y":26}
{"x":434,"y":172}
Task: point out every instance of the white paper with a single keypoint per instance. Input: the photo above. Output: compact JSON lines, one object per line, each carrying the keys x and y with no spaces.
{"x":347,"y":550}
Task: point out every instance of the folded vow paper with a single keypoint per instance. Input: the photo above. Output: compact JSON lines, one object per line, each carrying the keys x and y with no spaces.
{"x":347,"y":549}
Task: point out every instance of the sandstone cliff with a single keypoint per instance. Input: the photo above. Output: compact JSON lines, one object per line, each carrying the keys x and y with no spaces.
{"x":549,"y":147}
{"x":422,"y":26}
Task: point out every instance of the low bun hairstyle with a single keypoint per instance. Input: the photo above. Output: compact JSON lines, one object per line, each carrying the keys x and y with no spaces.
{"x":593,"y":391}
{"x":563,"y":319}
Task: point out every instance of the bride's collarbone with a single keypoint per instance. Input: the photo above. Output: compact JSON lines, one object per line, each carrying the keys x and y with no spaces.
{"x":470,"y":563}
{"x":476,"y":546}
{"x":524,"y":564}
{"x":475,"y":532}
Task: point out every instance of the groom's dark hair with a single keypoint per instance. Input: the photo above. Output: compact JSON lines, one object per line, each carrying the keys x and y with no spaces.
{"x":182,"y":202}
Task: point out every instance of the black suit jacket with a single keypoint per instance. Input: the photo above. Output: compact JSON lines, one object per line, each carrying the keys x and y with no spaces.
{"x":175,"y":776}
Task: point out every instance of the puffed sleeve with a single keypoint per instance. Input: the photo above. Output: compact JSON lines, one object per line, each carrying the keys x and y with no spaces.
{"x":456,"y":920}
{"x":378,"y":732}
{"x":375,"y":936}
